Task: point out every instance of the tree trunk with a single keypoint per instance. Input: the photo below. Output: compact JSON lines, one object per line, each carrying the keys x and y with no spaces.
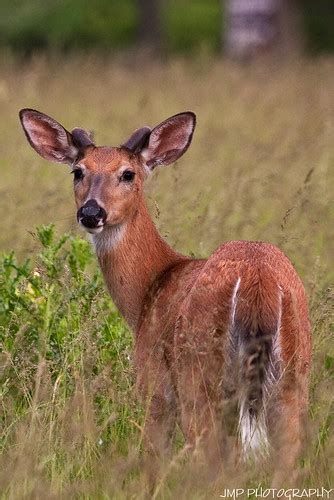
{"x":261,"y":26}
{"x":149,"y":30}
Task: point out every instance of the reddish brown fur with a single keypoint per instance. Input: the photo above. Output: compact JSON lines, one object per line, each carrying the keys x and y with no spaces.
{"x":200,"y":325}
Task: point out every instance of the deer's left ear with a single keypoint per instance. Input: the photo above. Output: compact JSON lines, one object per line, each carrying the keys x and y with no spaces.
{"x":48,"y":138}
{"x":169,"y":140}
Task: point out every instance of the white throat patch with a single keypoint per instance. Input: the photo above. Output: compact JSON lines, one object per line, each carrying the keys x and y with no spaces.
{"x":105,"y":241}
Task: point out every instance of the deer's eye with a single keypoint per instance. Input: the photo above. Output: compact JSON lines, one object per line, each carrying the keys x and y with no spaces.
{"x":78,"y":174}
{"x":127,"y":176}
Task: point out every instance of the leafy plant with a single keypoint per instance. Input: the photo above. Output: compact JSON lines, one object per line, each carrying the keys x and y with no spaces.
{"x":55,"y":314}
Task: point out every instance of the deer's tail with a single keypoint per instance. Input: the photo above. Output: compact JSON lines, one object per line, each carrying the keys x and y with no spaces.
{"x":255,"y":326}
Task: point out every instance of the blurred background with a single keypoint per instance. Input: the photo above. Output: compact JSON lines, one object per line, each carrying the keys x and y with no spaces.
{"x":240,"y":27}
{"x":258,"y":73}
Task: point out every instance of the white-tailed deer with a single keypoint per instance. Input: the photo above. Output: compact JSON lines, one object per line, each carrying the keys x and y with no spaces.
{"x":234,"y":326}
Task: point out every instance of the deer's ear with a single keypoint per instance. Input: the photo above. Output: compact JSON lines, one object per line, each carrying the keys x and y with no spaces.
{"x":169,"y":140}
{"x":137,"y":140}
{"x":48,"y":137}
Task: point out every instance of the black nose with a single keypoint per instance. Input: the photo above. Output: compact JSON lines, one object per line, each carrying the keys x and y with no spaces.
{"x":91,"y":214}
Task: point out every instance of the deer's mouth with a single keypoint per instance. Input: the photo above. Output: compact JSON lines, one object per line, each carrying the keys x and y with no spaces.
{"x":93,"y":229}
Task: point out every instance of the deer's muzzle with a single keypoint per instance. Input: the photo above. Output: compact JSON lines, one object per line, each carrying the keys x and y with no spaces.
{"x":91,"y":215}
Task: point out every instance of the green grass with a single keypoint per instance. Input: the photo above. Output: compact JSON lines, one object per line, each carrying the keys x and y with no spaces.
{"x":260,"y":167}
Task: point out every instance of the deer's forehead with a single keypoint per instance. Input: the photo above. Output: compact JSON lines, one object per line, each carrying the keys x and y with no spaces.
{"x":104,"y":159}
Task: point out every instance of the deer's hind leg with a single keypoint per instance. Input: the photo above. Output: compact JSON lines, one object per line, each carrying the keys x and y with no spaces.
{"x":288,"y":405}
{"x":200,"y":416}
{"x":200,"y":360}
{"x":287,"y":421}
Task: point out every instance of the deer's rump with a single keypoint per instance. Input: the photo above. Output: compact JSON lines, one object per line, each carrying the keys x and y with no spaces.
{"x":239,"y":328}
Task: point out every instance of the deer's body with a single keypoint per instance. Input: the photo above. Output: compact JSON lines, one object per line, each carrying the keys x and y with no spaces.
{"x":232,"y":328}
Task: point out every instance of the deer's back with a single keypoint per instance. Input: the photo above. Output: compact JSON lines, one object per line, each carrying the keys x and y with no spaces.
{"x":200,"y":295}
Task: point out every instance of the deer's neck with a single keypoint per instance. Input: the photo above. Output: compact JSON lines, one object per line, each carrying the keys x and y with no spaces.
{"x":131,"y":257}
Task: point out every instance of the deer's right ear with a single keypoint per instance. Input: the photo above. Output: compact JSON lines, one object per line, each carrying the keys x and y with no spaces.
{"x":169,"y":140}
{"x":48,"y":137}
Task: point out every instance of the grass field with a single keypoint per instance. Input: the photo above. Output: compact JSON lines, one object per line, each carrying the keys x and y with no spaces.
{"x":261,"y":167}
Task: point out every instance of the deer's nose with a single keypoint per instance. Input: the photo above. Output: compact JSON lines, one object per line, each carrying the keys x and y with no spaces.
{"x":91,"y":214}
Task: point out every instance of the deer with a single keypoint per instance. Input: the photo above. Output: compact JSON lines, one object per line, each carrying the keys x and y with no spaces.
{"x":230,"y":328}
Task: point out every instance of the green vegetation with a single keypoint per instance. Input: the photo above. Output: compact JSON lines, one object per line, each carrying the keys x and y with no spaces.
{"x":318,"y":20}
{"x":64,"y":24}
{"x":260,"y":167}
{"x":188,"y":25}
{"x":66,"y":381}
{"x":77,"y":24}
{"x":192,"y":26}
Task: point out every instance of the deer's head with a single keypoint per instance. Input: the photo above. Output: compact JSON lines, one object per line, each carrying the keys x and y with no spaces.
{"x":108,"y":181}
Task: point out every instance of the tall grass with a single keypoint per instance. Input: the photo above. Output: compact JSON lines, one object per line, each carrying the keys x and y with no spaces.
{"x":260,"y":167}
